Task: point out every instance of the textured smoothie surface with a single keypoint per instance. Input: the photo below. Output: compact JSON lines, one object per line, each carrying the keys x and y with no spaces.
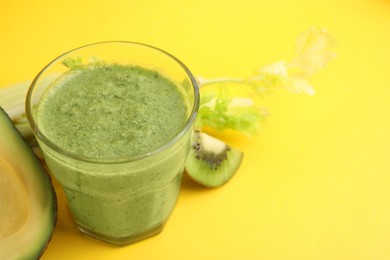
{"x":111,"y":111}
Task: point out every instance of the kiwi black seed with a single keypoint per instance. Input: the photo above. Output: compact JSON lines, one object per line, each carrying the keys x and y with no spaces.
{"x":212,"y":162}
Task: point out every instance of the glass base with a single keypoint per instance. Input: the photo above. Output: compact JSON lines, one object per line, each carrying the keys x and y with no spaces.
{"x":122,"y":241}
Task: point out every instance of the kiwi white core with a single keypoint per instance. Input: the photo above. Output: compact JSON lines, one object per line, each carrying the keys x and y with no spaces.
{"x":211,"y":144}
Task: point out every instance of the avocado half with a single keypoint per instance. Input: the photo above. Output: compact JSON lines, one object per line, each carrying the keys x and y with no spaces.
{"x":28,"y":206}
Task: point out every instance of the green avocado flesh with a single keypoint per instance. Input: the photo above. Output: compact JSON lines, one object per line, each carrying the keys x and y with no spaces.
{"x":212,"y":162}
{"x":28,"y":207}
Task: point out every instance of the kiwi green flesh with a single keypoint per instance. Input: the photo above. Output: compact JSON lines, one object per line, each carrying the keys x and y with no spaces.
{"x":27,"y":199}
{"x":212,"y":169}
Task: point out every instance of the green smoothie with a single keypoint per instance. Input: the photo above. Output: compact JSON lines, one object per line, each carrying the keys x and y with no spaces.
{"x":112,"y":111}
{"x":102,"y":116}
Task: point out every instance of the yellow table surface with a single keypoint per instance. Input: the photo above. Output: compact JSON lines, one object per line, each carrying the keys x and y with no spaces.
{"x":315,"y":181}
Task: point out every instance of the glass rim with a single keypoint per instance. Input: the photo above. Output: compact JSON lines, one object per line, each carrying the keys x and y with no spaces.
{"x":190,"y":120}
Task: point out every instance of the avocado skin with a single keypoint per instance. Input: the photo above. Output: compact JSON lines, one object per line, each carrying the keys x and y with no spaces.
{"x":35,"y":249}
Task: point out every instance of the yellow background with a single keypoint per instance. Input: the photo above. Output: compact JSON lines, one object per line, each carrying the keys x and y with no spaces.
{"x":315,"y":182}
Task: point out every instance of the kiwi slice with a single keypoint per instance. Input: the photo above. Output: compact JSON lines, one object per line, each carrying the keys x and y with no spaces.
{"x":212,"y":162}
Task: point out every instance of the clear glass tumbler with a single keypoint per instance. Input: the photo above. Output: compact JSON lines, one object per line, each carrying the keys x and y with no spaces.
{"x":122,"y":200}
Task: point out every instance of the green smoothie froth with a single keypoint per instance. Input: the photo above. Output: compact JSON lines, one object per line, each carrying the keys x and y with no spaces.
{"x":112,"y":111}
